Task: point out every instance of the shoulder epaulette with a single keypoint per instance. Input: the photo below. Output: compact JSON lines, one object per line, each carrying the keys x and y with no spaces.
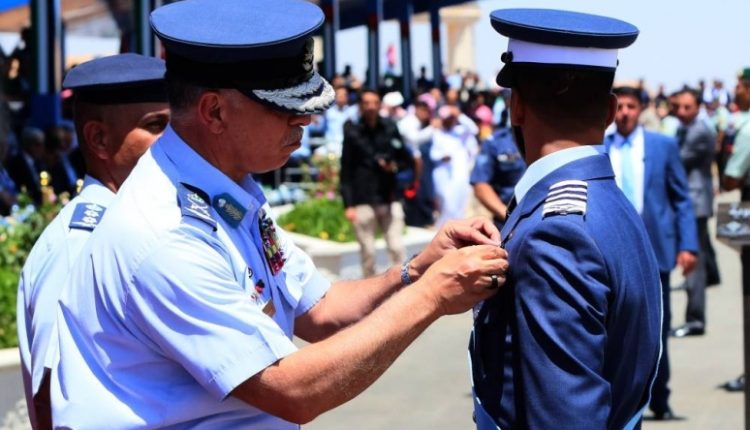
{"x":194,"y":204}
{"x":566,"y":197}
{"x":86,"y":216}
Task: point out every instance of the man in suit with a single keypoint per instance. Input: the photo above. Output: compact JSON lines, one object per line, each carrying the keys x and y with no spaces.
{"x":573,"y":340}
{"x":649,"y":171}
{"x":26,"y":166}
{"x":697,"y":143}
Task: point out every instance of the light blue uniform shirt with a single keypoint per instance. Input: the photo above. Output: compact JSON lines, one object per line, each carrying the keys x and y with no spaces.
{"x":43,"y":276}
{"x":162,"y":319}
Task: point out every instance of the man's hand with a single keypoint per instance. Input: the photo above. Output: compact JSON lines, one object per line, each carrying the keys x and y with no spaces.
{"x":455,"y":235}
{"x":462,"y":277}
{"x":351,"y":214}
{"x":686,"y":260}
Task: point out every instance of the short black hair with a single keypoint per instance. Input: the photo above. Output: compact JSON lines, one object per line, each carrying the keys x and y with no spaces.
{"x":421,"y":104}
{"x":366,"y":90}
{"x":571,"y":99}
{"x":628,"y":91}
{"x":182,"y":93}
{"x":697,"y":96}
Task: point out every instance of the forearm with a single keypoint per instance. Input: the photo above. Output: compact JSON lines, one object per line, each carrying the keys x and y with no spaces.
{"x":327,"y":374}
{"x":490,"y":200}
{"x":347,"y":302}
{"x":731,"y":183}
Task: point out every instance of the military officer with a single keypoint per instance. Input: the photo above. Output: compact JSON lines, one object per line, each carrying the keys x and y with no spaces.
{"x":573,"y":340}
{"x":120,"y":109}
{"x":498,"y":168}
{"x":182,"y":312}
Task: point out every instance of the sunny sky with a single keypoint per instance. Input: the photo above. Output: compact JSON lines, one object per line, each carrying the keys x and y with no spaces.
{"x":680,"y":41}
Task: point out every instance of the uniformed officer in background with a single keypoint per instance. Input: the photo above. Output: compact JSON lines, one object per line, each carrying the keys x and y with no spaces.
{"x":498,"y":168}
{"x":120,"y":109}
{"x":573,"y":339}
{"x":736,"y":177}
{"x":182,"y":312}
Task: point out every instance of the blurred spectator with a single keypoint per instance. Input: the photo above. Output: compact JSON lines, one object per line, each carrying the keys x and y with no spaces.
{"x":336,"y":117}
{"x":423,"y":84}
{"x":452,"y":99}
{"x":696,"y":141}
{"x":373,"y":154}
{"x":670,"y":123}
{"x":501,"y":108}
{"x":57,"y":143}
{"x":645,"y":98}
{"x":455,"y":81}
{"x":8,"y":190}
{"x":25,"y":167}
{"x":437,"y":95}
{"x":498,"y":168}
{"x":483,"y":115}
{"x":417,"y":129}
{"x":736,"y":177}
{"x":393,"y":106}
{"x":453,"y":151}
{"x":661,"y":96}
{"x":716,"y":93}
{"x":21,"y":63}
{"x":659,"y":193}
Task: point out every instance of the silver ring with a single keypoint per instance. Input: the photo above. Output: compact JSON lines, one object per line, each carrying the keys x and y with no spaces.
{"x":495,"y":284}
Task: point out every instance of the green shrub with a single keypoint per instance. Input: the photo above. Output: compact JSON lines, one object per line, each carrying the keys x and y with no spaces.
{"x":8,"y":289}
{"x":319,"y":217}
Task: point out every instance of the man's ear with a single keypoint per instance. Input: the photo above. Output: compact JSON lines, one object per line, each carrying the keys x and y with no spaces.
{"x":95,"y":139}
{"x":517,"y":109}
{"x":212,"y":110}
{"x":612,"y":112}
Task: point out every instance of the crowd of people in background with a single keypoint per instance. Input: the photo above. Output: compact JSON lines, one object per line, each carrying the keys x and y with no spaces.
{"x":443,"y":126}
{"x":413,"y":159}
{"x":460,"y":139}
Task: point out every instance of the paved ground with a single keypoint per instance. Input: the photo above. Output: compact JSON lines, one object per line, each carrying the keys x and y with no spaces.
{"x":428,"y":387}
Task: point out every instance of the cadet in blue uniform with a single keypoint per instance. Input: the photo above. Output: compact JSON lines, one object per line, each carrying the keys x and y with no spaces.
{"x":498,"y":168}
{"x":572,"y":341}
{"x":120,"y":109}
{"x":181,"y":314}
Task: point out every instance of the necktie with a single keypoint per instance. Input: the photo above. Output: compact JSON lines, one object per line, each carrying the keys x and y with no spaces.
{"x":626,"y":170}
{"x":681,"y":133}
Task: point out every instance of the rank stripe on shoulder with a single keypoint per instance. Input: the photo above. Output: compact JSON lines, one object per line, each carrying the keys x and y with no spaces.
{"x":566,"y":197}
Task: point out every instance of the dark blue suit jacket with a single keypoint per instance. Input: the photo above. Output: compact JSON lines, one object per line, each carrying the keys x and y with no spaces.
{"x":572,"y":340}
{"x":667,"y":208}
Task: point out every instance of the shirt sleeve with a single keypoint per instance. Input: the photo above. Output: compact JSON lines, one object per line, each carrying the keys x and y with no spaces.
{"x":739,"y":163}
{"x":23,"y":324}
{"x":302,"y":278}
{"x":185,"y":298}
{"x":679,"y":196}
{"x":560,"y":313}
